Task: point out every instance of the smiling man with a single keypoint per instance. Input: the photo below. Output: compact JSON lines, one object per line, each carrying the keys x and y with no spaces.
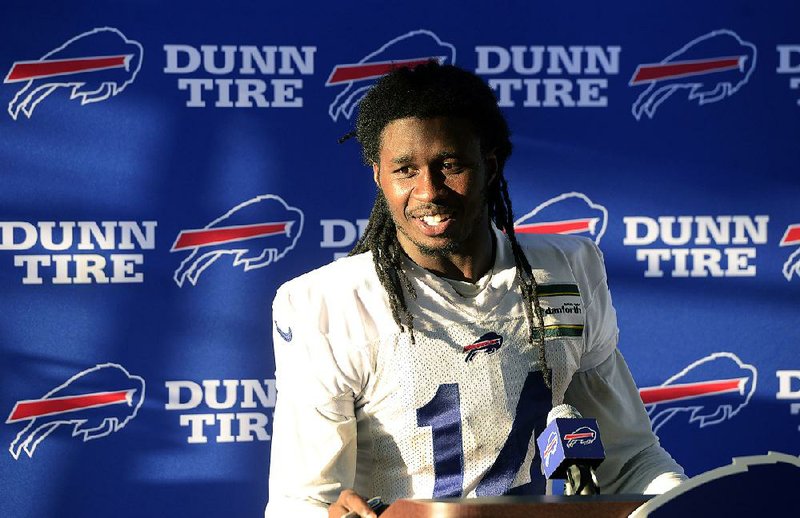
{"x":424,"y":365}
{"x":434,"y":178}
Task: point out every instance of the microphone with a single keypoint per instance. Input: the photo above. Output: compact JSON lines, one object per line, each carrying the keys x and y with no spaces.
{"x":571,"y":449}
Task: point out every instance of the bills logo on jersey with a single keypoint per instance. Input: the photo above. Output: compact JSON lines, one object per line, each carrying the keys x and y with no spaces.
{"x":96,"y":402}
{"x":711,"y":390}
{"x":256,"y":233}
{"x":568,"y":213}
{"x":583,"y":435}
{"x":408,"y":50}
{"x":712,"y":67}
{"x":490,"y":342}
{"x":792,"y":238}
{"x":96,"y":65}
{"x":551,"y":448}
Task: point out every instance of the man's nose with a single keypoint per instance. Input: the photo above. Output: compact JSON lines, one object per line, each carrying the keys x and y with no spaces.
{"x":429,"y":185}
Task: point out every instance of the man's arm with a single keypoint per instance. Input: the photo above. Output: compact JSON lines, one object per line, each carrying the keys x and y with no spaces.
{"x":603,"y":388}
{"x":635,"y":461}
{"x":313,"y":454}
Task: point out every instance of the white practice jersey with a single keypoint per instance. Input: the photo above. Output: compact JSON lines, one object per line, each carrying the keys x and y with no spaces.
{"x":457,"y":412}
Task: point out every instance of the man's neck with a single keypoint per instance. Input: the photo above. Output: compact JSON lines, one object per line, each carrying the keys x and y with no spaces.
{"x":460,"y":265}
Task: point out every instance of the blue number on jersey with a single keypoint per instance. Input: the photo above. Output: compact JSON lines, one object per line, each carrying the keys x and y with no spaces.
{"x":443,"y":414}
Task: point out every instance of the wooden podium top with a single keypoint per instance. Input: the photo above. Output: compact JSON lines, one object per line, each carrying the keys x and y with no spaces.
{"x":518,"y":507}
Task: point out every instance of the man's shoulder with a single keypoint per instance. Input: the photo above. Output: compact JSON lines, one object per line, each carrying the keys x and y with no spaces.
{"x":556,"y":253}
{"x":334,"y":280}
{"x":571,"y":246}
{"x":332,"y":298}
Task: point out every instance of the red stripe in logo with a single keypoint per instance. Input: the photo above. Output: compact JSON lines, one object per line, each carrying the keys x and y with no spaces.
{"x":551,"y":446}
{"x":678,"y":392}
{"x":792,"y":236}
{"x":214,"y":236}
{"x":578,"y":436}
{"x":27,"y":70}
{"x":572,"y":226}
{"x":478,"y":345}
{"x":659,"y":71}
{"x":31,"y":409}
{"x":360,"y":71}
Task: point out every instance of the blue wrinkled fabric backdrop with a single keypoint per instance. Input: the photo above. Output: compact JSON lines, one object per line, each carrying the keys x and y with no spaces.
{"x":107,"y":168}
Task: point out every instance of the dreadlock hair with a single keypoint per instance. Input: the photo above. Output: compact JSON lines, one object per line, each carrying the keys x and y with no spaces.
{"x":427,"y":91}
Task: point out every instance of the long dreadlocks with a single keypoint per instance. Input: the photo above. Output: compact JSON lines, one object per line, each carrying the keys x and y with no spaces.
{"x":427,"y":91}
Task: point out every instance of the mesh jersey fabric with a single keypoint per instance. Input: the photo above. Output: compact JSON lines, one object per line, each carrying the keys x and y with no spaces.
{"x":456,"y":413}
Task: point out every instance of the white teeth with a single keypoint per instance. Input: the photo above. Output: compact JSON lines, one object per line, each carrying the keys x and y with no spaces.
{"x":432,"y":220}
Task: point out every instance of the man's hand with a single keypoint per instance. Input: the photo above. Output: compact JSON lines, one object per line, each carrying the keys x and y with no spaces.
{"x":350,"y":501}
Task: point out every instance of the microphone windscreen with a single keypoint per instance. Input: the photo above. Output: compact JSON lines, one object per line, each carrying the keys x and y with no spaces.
{"x":563,"y":411}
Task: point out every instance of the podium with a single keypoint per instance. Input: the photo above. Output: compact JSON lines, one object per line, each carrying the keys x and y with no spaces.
{"x":543,"y":506}
{"x":758,"y":485}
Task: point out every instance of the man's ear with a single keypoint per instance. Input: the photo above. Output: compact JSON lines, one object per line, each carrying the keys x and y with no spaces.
{"x":492,"y":169}
{"x":376,"y":169}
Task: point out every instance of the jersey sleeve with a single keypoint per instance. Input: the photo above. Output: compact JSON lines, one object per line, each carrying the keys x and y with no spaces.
{"x":635,"y":461}
{"x":601,"y":333}
{"x":313,"y":454}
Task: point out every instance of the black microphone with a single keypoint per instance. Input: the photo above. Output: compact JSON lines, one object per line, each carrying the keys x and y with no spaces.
{"x":571,"y":449}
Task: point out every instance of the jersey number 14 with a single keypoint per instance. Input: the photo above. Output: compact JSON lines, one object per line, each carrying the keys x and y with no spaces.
{"x":443,"y":415}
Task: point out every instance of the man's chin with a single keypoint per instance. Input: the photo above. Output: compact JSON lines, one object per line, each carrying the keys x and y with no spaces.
{"x":432,"y":246}
{"x":443,"y":248}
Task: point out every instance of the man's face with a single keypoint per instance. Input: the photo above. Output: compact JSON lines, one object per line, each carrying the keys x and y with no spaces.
{"x":434,"y":178}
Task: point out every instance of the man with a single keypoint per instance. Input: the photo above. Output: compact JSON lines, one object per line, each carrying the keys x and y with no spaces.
{"x":425,"y":364}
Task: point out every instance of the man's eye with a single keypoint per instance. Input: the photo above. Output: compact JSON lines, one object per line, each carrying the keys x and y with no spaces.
{"x":452,"y":166}
{"x":403,"y":171}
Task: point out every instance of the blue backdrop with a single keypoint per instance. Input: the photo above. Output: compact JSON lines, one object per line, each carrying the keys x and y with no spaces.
{"x":166,"y":166}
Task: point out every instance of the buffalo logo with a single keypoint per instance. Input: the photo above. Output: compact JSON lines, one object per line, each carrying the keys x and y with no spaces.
{"x":568,"y":213}
{"x":712,"y":390}
{"x":712,"y":67}
{"x":551,"y":448}
{"x":257,"y":233}
{"x":97,"y":65}
{"x":408,"y":50}
{"x":490,"y":342}
{"x":792,"y":264}
{"x":583,"y":435}
{"x":97,"y":401}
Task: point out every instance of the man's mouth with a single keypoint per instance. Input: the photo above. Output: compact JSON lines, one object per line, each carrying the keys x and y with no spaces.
{"x":432,"y":224}
{"x":434,"y":219}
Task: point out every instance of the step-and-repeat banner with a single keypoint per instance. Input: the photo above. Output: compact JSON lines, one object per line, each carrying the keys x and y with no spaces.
{"x":166,"y":166}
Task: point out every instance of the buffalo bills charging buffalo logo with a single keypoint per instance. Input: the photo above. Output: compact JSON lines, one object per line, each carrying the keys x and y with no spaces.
{"x":490,"y":342}
{"x":95,"y":65}
{"x":551,"y":448}
{"x":583,"y":435}
{"x":711,"y":390}
{"x":96,"y":402}
{"x":711,"y":67}
{"x":792,"y":265}
{"x":256,"y":233}
{"x":408,"y":50}
{"x":568,"y":213}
